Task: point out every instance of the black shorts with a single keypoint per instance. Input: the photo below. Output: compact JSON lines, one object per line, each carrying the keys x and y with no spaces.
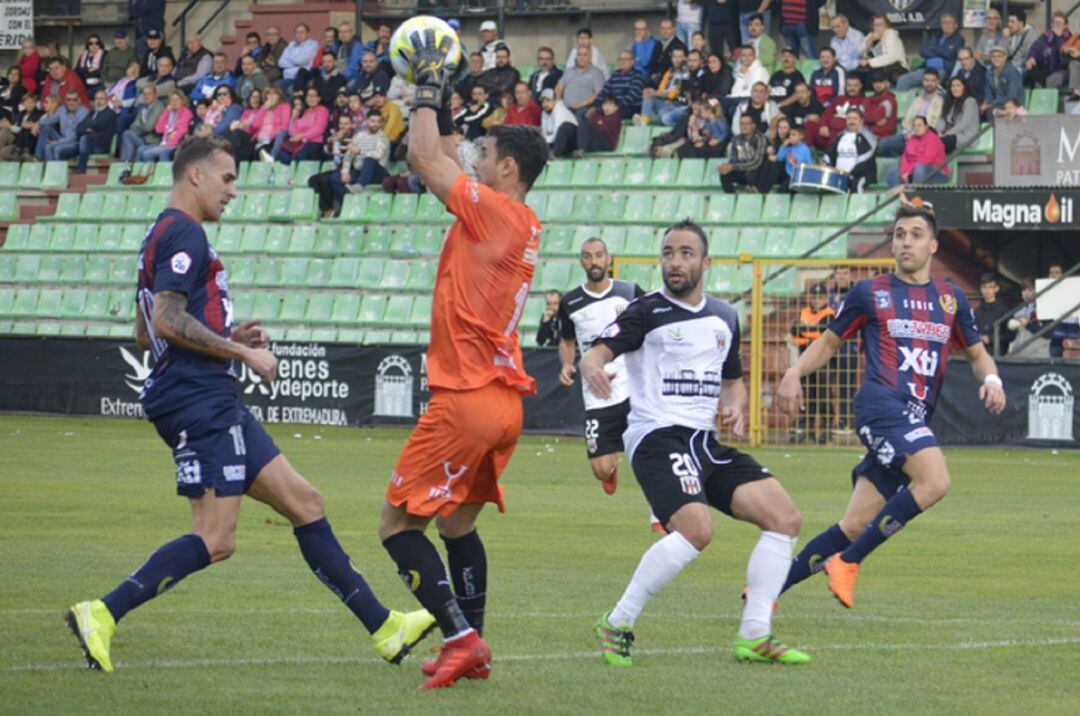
{"x":604,"y":428}
{"x":677,"y":466}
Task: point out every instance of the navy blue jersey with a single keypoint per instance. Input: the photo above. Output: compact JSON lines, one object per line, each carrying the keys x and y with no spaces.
{"x":176,"y":256}
{"x":908,"y":332}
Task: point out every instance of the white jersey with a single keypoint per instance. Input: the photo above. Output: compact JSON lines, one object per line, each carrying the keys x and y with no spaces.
{"x":583,"y":315}
{"x":676,"y":357}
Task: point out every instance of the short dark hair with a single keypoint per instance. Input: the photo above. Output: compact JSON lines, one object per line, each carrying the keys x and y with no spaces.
{"x":911,"y":211}
{"x":584,"y":31}
{"x":196,"y":149}
{"x":56,"y":60}
{"x":546,"y":49}
{"x":830,"y":50}
{"x":988,"y":277}
{"x":932,"y":71}
{"x":1018,"y":13}
{"x":525,"y":145}
{"x":694,"y":52}
{"x":690,"y":225}
{"x":253,"y":35}
{"x":755,"y":16}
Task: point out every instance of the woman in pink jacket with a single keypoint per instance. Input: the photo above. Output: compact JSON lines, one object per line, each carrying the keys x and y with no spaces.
{"x":265,"y":126}
{"x":922,"y":154}
{"x":307,"y":132}
{"x":173,"y":126}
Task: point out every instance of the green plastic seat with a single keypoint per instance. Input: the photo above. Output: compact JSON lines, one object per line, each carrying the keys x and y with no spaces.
{"x":612,"y":207}
{"x":7,"y":301}
{"x":350,"y":336}
{"x":298,"y":334}
{"x":27,"y":267}
{"x":664,"y":206}
{"x":372,"y":308}
{"x":1043,"y":101}
{"x":724,"y":242}
{"x":258,"y":174}
{"x":378,"y":207}
{"x":403,"y":241}
{"x":691,"y":173}
{"x":638,"y":208}
{"x":277,"y":239}
{"x":804,"y":208}
{"x":114,"y":205}
{"x":640,"y":241}
{"x":663,"y":173}
{"x":422,"y":275}
{"x":747,"y":209}
{"x":324,"y":335}
{"x":429,"y":239}
{"x":395,"y":274}
{"x":398,"y":308}
{"x":73,"y":303}
{"x":9,"y":175}
{"x":554,"y":276}
{"x":721,"y":209}
{"x":376,"y":338}
{"x":370,"y":272}
{"x":25,"y":303}
{"x":48,"y":270}
{"x":611,"y":173}
{"x":904,"y":98}
{"x":836,"y":248}
{"x":344,"y":272}
{"x":95,"y":305}
{"x":833,"y":208}
{"x":243,"y":305}
{"x":49,"y":301}
{"x":67,"y":206}
{"x":318,"y":272}
{"x":584,"y":173}
{"x":294,"y":271}
{"x":645,"y":275}
{"x":403,"y":208}
{"x":420,"y":313}
{"x":267,"y":306}
{"x":252,"y":239}
{"x":90,"y":208}
{"x":353,"y":207}
{"x":560,"y":206}
{"x":47,"y":328}
{"x":302,"y":239}
{"x":351,"y":239}
{"x":71,"y":269}
{"x":534,"y":310}
{"x":429,"y":208}
{"x":557,"y":241}
{"x":318,"y":307}
{"x":537,"y":201}
{"x":96,"y":270}
{"x":861,"y":204}
{"x":783,"y":285}
{"x":267,"y":272}
{"x":55,"y":176}
{"x":30,"y":175}
{"x":293,"y":306}
{"x":327,"y":237}
{"x":766,"y":241}
{"x":691,"y":204}
{"x":229,"y":239}
{"x":614,"y":238}
{"x":7,"y":267}
{"x":346,"y":308}
{"x":557,"y":174}
{"x":62,"y":238}
{"x":634,"y":140}
{"x":305,"y":170}
{"x":9,"y":211}
{"x":777,"y":209}
{"x":86,"y":238}
{"x":18,"y":236}
{"x":241,"y":272}
{"x":636,"y":173}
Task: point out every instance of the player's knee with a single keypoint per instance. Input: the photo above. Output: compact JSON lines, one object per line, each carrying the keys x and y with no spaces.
{"x":934,"y":489}
{"x":789,"y":521}
{"x":699,"y":534}
{"x":310,"y":506}
{"x":220,"y":546}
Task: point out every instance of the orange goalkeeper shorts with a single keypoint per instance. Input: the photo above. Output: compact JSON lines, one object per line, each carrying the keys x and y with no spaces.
{"x":457,"y":451}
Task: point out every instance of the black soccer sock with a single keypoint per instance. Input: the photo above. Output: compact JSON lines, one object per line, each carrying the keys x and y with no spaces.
{"x":898,"y":511}
{"x":161,"y":572}
{"x":468,"y":570}
{"x":423,"y":572}
{"x":332,"y":566}
{"x":813,"y":556}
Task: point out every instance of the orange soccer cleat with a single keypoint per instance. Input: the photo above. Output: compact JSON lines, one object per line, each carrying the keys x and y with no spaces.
{"x":457,"y":659}
{"x":428,"y":667}
{"x":842,"y":576}
{"x":611,"y":482}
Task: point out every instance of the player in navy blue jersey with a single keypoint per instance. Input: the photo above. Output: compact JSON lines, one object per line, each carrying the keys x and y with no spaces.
{"x":909,"y":324}
{"x":221,"y":452}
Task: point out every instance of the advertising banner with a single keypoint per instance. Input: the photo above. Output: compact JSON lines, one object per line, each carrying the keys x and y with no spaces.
{"x":903,"y":14}
{"x":1037,"y":151}
{"x":16,"y":23}
{"x":1005,"y":209}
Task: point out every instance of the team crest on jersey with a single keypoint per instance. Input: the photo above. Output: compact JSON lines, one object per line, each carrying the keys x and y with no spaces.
{"x":948,"y":303}
{"x":180,"y":263}
{"x":721,"y":340}
{"x":882,"y":299}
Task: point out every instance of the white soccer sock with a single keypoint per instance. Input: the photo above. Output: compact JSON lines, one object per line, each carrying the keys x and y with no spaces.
{"x":765,"y":574}
{"x":658,"y":566}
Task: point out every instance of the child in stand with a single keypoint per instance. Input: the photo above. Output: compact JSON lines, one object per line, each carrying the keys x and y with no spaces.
{"x":793,"y":153}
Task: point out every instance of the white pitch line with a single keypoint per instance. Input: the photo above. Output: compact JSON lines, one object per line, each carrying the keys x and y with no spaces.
{"x":562,"y":656}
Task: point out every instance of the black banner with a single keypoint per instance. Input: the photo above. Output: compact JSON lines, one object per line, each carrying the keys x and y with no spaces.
{"x":318,"y":384}
{"x":1005,"y":209}
{"x":1040,"y":407}
{"x":903,"y":14}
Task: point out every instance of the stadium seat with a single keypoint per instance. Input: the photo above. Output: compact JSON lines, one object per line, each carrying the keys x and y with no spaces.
{"x":25,"y":303}
{"x":534,"y":310}
{"x":258,"y":174}
{"x":378,"y":207}
{"x":634,"y":140}
{"x":777,"y":209}
{"x":47,"y":328}
{"x":96,"y":270}
{"x":326,"y":240}
{"x":95,"y":305}
{"x":48,"y":270}
{"x":293,"y":306}
{"x":554,"y":276}
{"x":86,"y":237}
{"x":557,"y":241}
{"x":724,"y":242}
{"x":7,"y":301}
{"x":243,"y":305}
{"x":904,"y":98}
{"x":537,"y":201}
{"x":395,"y":274}
{"x":62,"y":238}
{"x":403,"y":241}
{"x":833,"y":208}
{"x":664,"y":206}
{"x":559,"y":206}
{"x":557,"y":174}
{"x":67,"y":206}
{"x":398,"y":308}
{"x":9,"y":175}
{"x":370,"y":272}
{"x":783,"y":284}
{"x":277,"y":239}
{"x":350,"y":336}
{"x":376,"y":338}
{"x":30,"y":175}
{"x":646,"y":275}
{"x":772,"y":241}
{"x":429,"y":239}
{"x":803,"y":239}
{"x":304,"y":171}
{"x":267,"y":272}
{"x":691,"y":204}
{"x":318,"y":307}
{"x":346,"y":308}
{"x":344,"y":272}
{"x":610,"y":175}
{"x":71,"y":269}
{"x":638,"y":208}
{"x":372,"y":308}
{"x":241,"y":272}
{"x":584,"y":174}
{"x":752,"y":240}
{"x":318,"y":272}
{"x":9,"y":210}
{"x":92,"y":204}
{"x":663,"y":173}
{"x":299,"y":334}
{"x":353,"y":207}
{"x":861,"y":204}
{"x":27,"y":267}
{"x":640,"y":241}
{"x":7,"y":267}
{"x":804,"y":208}
{"x":18,"y":237}
{"x":1042,"y":101}
{"x":267,"y":306}
{"x":403,"y":208}
{"x":612,"y":207}
{"x":302,"y":239}
{"x":420,"y":313}
{"x":294,"y":271}
{"x":377,"y":239}
{"x":747,"y":209}
{"x":636,"y":173}
{"x":615,"y":239}
{"x":323,"y":335}
{"x":429,"y":208}
{"x":691,"y":173}
{"x":721,"y":209}
{"x":73,"y":304}
{"x":49,"y":301}
{"x":252,"y":239}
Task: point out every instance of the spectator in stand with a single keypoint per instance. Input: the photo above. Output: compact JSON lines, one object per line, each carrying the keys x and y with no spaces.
{"x":173,"y":125}
{"x":548,"y":333}
{"x":470,"y":80}
{"x":1025,"y":323}
{"x":763,"y":110}
{"x":366,"y":162}
{"x":224,"y":110}
{"x":748,"y":11}
{"x":306,"y":133}
{"x":806,"y":107}
{"x":96,"y":131}
{"x":1070,"y":58}
{"x":329,"y":46}
{"x":251,"y":78}
{"x":58,"y":137}
{"x":195,"y":63}
{"x":350,"y":51}
{"x":219,"y":76}
{"x":707,"y":133}
{"x":668,"y":44}
{"x":60,"y":80}
{"x":328,"y":81}
{"x":381,"y":47}
{"x":1003,"y":82}
{"x":524,"y":110}
{"x":370,"y":74}
{"x":722,"y":25}
{"x":489,"y":42}
{"x":164,"y":81}
{"x":47,"y":51}
{"x":748,"y":72}
{"x":646,"y":49}
{"x":143,"y":126}
{"x":558,"y":124}
{"x":847,"y":43}
{"x":600,"y":130}
{"x":853,"y":152}
{"x":695,"y":76}
{"x":813,"y":320}
{"x":337,"y":142}
{"x":481,"y":107}
{"x":29,"y":63}
{"x":1019,"y":39}
{"x":990,"y":311}
{"x":881,"y":108}
{"x":1068,"y":329}
{"x":264,"y":125}
{"x":580,"y":84}
{"x":122,"y":96}
{"x":299,"y":54}
{"x":242,"y":131}
{"x":270,"y":55}
{"x":501,"y":78}
{"x":340,"y":108}
{"x":799,"y":25}
{"x":835,"y":119}
{"x":793,"y":154}
{"x":990,"y":37}
{"x":928,"y":106}
{"x":666,"y":104}
{"x":1011,"y":110}
{"x":498,"y":116}
{"x":939,"y":50}
{"x":746,"y":159}
{"x":114,"y":67}
{"x":547,"y":75}
{"x":90,"y":61}
{"x":971,"y":72}
{"x":783,"y":82}
{"x":828,"y":79}
{"x":668,"y":144}
{"x":687,"y":19}
{"x":764,"y":47}
{"x":718,"y":79}
{"x":585,"y":39}
{"x":252,"y":48}
{"x":959,"y":122}
{"x":393,"y":121}
{"x":699,"y":43}
{"x":1044,"y":62}
{"x":148,"y":16}
{"x":922,"y":155}
{"x":626,"y":85}
{"x":401,"y":93}
{"x":155,"y":49}
{"x":11,"y":91}
{"x":17,"y":137}
{"x":882,"y":50}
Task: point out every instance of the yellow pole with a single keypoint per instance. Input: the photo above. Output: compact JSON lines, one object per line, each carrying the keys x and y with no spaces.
{"x":757,"y":355}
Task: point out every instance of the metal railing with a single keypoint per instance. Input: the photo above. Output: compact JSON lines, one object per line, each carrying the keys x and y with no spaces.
{"x":1043,"y":329}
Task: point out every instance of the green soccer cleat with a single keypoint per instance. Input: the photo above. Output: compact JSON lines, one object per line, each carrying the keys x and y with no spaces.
{"x":614,"y":642}
{"x":93,"y":625}
{"x":400,"y":633}
{"x":768,"y":650}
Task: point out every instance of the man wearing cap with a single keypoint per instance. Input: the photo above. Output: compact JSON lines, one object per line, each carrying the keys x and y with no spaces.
{"x":155,"y":49}
{"x":148,"y":17}
{"x":1003,"y":82}
{"x":490,"y":42}
{"x":114,"y":66}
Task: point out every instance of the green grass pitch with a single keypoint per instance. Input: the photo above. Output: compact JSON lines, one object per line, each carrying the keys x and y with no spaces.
{"x":975,"y":608}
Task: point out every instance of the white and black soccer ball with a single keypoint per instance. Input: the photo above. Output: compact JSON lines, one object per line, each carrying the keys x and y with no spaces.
{"x":402,"y":49}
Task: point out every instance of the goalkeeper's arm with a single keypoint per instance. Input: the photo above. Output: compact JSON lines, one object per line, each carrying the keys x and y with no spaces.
{"x":426,"y":154}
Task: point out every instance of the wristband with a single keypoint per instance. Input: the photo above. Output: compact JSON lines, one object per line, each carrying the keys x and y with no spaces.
{"x":446,"y":122}
{"x":428,"y":96}
{"x":993,"y":379}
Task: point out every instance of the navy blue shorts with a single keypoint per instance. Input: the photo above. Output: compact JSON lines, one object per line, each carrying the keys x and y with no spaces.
{"x":209,"y":456}
{"x":890,"y":433}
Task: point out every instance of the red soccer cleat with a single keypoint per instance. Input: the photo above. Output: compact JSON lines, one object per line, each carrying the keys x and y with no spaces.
{"x":457,"y":659}
{"x":428,"y":667}
{"x":611,"y":483}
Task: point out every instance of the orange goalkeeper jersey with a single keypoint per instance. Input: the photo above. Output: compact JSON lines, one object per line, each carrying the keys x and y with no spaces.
{"x":485,"y":272}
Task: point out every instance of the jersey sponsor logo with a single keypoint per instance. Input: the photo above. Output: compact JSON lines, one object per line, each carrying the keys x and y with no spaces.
{"x":915,"y":305}
{"x":882,"y":299}
{"x":915,"y":412}
{"x":919,"y":330}
{"x":140,"y":370}
{"x":920,"y":361}
{"x":675,"y":333}
{"x":919,"y":391}
{"x":661,"y":309}
{"x":452,"y":472}
{"x":474,"y":192}
{"x":572,"y":301}
{"x":918,"y":434}
{"x":234,"y":473}
{"x":721,"y":340}
{"x":948,"y":303}
{"x":685,"y":383}
{"x":180,"y":263}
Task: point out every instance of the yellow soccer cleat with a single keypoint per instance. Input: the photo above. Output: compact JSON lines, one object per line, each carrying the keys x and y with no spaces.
{"x":400,"y":633}
{"x":93,"y":625}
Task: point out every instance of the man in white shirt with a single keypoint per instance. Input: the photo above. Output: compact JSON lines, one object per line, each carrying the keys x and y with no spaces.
{"x":557,"y":124}
{"x":584,"y":39}
{"x":847,"y":42}
{"x":748,"y":72}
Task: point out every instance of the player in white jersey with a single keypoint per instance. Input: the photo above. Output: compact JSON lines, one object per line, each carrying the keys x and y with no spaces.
{"x":683,"y":362}
{"x":584,"y":312}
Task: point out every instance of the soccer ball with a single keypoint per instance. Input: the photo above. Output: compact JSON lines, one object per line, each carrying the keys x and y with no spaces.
{"x":401,"y":47}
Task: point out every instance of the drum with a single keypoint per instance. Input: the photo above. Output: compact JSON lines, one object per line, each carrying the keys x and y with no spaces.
{"x":820,"y":179}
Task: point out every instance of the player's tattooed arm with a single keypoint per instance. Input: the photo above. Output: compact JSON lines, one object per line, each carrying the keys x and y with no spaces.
{"x":142,"y":336}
